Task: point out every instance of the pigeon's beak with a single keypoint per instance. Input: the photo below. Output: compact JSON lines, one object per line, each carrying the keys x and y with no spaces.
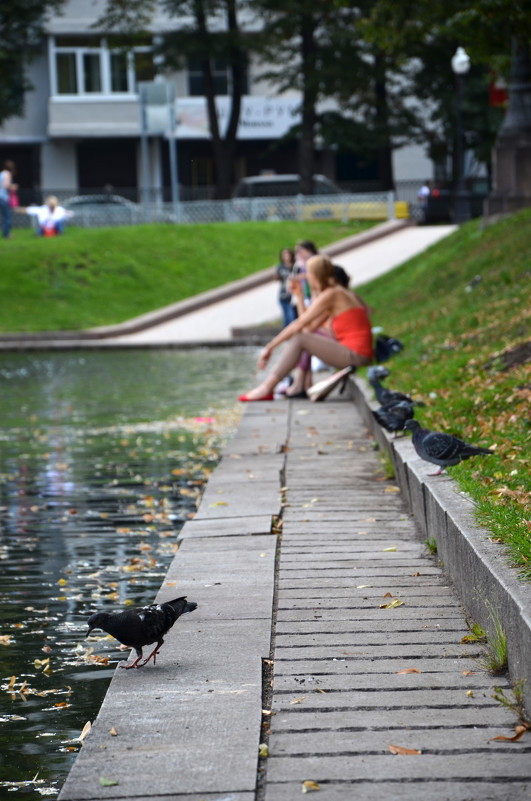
{"x":91,"y":628}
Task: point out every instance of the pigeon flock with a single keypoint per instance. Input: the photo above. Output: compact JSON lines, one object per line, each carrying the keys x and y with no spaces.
{"x":396,"y":413}
{"x":141,"y":626}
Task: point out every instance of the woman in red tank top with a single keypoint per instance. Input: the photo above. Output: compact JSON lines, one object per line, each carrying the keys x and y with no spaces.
{"x":349,"y":321}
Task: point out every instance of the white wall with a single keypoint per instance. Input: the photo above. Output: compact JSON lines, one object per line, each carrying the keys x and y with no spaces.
{"x":410,"y":163}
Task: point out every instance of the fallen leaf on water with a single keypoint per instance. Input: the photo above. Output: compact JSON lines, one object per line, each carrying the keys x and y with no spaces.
{"x":409,"y":670}
{"x":107,"y":782}
{"x":310,"y":785}
{"x":298,"y":700}
{"x":263,"y":750}
{"x":398,"y":749}
{"x":519,"y":731}
{"x":86,"y":728}
{"x":61,"y":705}
{"x":12,"y":683}
{"x":5,"y":639}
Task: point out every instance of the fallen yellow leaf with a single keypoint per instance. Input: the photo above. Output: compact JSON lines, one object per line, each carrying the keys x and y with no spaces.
{"x":409,"y":670}
{"x":310,"y":785}
{"x":86,"y":728}
{"x":298,"y":700}
{"x":113,"y":732}
{"x":392,"y":548}
{"x":519,"y":731}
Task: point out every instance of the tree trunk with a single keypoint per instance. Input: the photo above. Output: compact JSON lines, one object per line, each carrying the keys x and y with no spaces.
{"x":309,"y":100}
{"x":385,"y":151}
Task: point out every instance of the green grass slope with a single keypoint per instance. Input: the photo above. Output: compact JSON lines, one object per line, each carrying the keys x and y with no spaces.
{"x":468,"y":356}
{"x":101,"y":276}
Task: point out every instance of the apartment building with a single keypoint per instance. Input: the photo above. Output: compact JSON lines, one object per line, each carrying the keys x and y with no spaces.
{"x":81,"y":130}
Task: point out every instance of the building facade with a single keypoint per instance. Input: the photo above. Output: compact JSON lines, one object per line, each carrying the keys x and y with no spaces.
{"x":82,"y":126}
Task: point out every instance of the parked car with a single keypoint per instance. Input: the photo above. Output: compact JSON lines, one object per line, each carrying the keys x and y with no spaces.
{"x":94,"y":210}
{"x":282,"y":186}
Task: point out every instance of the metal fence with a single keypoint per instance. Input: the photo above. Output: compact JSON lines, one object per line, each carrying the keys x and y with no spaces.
{"x":116,"y":209}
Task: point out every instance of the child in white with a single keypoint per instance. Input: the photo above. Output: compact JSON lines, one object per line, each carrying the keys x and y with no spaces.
{"x":50,"y":217}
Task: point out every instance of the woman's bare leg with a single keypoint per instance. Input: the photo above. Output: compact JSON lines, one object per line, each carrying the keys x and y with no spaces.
{"x":328,"y":350}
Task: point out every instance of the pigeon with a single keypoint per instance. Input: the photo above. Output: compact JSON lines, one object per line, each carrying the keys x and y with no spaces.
{"x":393,"y":416}
{"x":383,"y":395}
{"x":141,"y":626}
{"x":439,"y":448}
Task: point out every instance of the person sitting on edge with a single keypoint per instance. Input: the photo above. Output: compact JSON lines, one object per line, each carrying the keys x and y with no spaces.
{"x":50,"y":217}
{"x":349,"y":322}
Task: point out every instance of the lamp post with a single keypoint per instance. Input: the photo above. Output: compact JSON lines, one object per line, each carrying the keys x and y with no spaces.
{"x":460,"y":66}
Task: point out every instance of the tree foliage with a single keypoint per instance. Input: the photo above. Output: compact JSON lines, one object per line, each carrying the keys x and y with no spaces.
{"x":21,"y":30}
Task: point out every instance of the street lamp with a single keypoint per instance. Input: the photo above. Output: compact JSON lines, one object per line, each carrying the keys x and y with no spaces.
{"x":460,"y":66}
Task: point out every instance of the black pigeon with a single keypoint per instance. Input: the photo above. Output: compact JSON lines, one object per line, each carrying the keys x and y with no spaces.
{"x":383,"y":395}
{"x":393,"y":416}
{"x":439,"y":448}
{"x":141,"y":626}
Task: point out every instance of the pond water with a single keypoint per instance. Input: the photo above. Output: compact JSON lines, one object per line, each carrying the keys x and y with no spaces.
{"x":102,"y":458}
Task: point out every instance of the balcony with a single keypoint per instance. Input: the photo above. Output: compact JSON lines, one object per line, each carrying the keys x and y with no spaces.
{"x":102,"y":116}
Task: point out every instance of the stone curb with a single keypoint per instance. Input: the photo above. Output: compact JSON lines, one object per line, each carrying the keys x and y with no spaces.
{"x":175,"y":310}
{"x":488,"y":588}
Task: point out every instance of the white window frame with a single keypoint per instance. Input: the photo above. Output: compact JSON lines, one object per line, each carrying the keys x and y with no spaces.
{"x":104,"y":52}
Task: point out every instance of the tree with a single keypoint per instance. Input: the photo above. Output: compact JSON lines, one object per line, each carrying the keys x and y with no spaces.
{"x":207,"y":30}
{"x":21,"y":29}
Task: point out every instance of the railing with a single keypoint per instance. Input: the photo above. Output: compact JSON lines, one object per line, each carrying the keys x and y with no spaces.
{"x":100,"y":210}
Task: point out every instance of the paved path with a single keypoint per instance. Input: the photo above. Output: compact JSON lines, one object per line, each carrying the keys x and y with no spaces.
{"x":295,"y":625}
{"x":260,"y":305}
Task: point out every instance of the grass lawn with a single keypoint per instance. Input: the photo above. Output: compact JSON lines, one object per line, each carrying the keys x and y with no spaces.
{"x":100,"y":276}
{"x":468,"y":356}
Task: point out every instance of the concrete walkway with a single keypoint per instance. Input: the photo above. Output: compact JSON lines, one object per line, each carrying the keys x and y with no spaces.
{"x":259,"y":305}
{"x":331,"y":639}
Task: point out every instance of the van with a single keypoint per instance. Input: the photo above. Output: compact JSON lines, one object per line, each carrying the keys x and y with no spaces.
{"x":287,"y":185}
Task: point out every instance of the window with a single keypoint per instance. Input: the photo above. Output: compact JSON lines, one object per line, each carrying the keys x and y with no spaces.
{"x":220,"y":75}
{"x":88,"y":65}
{"x":92,"y":72}
{"x":66,"y":73}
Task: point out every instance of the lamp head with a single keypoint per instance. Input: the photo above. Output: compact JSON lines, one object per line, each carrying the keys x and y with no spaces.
{"x":460,"y":61}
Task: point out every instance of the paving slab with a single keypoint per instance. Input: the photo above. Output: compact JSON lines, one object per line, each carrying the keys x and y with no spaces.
{"x":305,"y":610}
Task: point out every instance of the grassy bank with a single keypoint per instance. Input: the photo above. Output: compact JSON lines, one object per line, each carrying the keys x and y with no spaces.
{"x":91,"y":277}
{"x":463,"y":311}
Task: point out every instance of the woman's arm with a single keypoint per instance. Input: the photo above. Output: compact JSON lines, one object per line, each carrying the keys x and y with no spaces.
{"x":319,"y":309}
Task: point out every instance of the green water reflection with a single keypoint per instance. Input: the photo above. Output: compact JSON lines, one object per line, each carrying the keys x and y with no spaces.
{"x":102,"y":459}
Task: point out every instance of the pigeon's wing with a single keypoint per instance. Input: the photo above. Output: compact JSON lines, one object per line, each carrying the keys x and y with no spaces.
{"x":440,"y":448}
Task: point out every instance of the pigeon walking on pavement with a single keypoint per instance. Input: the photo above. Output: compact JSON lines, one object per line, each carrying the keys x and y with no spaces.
{"x":393,"y":416}
{"x":141,"y":626}
{"x":383,"y":395}
{"x":440,"y":448}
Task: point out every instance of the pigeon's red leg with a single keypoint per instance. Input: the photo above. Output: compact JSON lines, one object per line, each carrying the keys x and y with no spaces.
{"x":153,"y":653}
{"x":438,"y":473}
{"x":135,"y":663}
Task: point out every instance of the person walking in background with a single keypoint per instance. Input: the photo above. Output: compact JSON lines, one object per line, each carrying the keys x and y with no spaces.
{"x":50,"y":217}
{"x":283,"y":272}
{"x":7,"y":186}
{"x":423,"y":196}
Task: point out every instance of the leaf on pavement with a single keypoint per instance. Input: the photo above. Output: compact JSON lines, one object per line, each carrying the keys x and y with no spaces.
{"x":310,"y":785}
{"x":519,"y":729}
{"x":398,"y":749}
{"x":409,"y":670}
{"x":86,"y":728}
